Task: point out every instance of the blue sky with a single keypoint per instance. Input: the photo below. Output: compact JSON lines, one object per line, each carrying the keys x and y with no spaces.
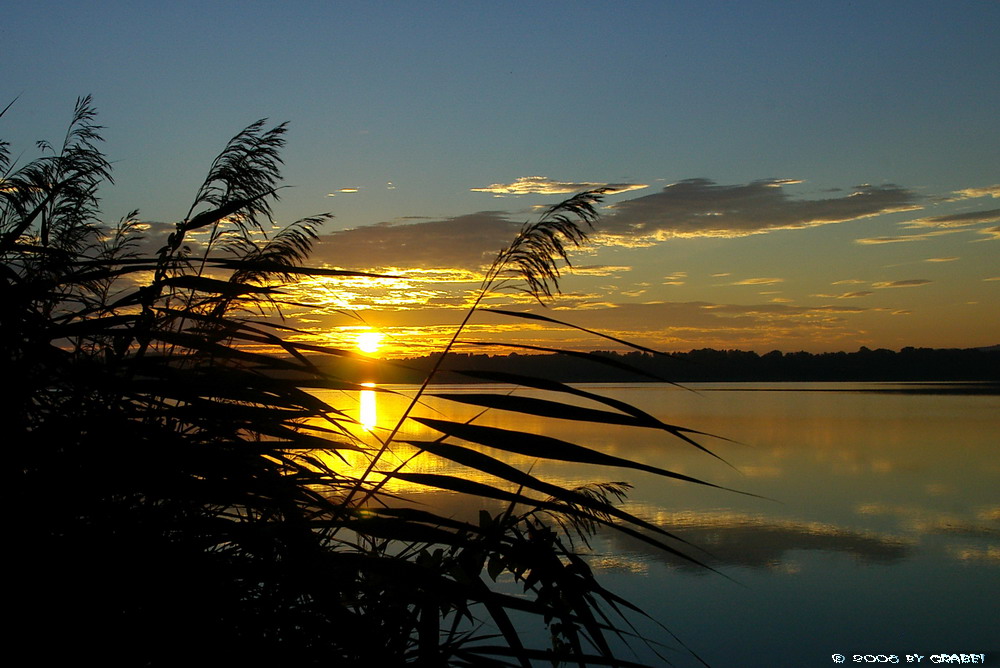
{"x":795,"y":175}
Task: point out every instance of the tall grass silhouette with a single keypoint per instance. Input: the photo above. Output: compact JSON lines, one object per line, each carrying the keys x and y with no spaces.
{"x":179,"y":495}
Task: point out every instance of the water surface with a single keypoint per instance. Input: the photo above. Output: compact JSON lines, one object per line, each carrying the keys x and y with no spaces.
{"x":880,"y":533}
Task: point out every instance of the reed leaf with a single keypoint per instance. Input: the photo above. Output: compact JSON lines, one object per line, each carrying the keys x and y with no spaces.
{"x":546,"y":447}
{"x":543,"y":318}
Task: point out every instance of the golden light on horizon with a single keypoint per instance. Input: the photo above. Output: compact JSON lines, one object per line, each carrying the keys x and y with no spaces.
{"x":369,"y":342}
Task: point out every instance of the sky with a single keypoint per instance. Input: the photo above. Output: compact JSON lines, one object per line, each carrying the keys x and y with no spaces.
{"x":811,"y":176}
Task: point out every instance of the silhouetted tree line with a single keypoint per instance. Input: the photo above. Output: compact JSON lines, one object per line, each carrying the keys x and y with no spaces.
{"x":706,"y":364}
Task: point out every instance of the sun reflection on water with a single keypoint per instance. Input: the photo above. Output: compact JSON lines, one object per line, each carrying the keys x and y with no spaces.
{"x":368,"y":410}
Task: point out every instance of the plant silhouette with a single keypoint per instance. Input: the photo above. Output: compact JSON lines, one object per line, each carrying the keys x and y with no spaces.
{"x":180,"y":497}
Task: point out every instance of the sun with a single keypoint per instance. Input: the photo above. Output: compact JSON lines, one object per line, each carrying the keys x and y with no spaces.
{"x":369,"y":342}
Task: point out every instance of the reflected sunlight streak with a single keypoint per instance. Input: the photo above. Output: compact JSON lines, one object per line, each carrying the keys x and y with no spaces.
{"x":368,"y":412}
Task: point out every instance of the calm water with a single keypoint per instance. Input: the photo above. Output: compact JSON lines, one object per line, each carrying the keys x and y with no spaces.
{"x":882,"y":535}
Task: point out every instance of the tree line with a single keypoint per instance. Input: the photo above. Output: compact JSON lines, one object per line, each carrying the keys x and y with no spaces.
{"x":705,"y":364}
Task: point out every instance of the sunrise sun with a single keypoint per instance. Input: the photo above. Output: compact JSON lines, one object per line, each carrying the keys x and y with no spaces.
{"x":369,"y":342}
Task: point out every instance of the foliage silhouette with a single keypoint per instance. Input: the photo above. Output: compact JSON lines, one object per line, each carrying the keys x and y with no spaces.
{"x":181,"y":498}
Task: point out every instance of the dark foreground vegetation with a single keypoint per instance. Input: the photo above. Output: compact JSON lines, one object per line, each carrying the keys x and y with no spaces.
{"x":181,"y":500}
{"x":908,"y":364}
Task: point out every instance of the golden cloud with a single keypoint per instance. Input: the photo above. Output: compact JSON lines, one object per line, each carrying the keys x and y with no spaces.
{"x":599,"y":269}
{"x":969,"y":193}
{"x":908,"y":283}
{"x":992,"y":233}
{"x":906,"y":238}
{"x":957,"y":220}
{"x":543,"y":185}
{"x":758,"y":281}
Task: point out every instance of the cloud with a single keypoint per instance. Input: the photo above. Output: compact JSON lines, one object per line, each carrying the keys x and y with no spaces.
{"x":640,"y":317}
{"x":702,"y":208}
{"x":908,"y":283}
{"x":849,"y":281}
{"x":468,"y":242}
{"x":940,"y":225}
{"x":543,"y":185}
{"x":599,"y":269}
{"x":676,"y":278}
{"x":941,"y":259}
{"x":676,"y":325}
{"x":969,"y":193}
{"x":438,"y":275}
{"x":659,"y":324}
{"x":905,"y":238}
{"x":992,"y":233}
{"x":847,"y":295}
{"x":957,"y":219}
{"x":691,"y":208}
{"x":758,"y":281}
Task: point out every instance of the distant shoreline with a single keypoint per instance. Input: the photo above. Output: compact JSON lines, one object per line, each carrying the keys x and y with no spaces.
{"x":704,"y":365}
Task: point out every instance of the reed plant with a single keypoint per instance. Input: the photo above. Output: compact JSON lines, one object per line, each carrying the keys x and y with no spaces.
{"x":179,"y":498}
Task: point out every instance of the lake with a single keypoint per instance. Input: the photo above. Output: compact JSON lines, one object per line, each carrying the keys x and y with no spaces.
{"x":880,"y":533}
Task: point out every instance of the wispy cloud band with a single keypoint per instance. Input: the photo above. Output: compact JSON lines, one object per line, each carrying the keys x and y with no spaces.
{"x":703,"y":208}
{"x":543,"y":185}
